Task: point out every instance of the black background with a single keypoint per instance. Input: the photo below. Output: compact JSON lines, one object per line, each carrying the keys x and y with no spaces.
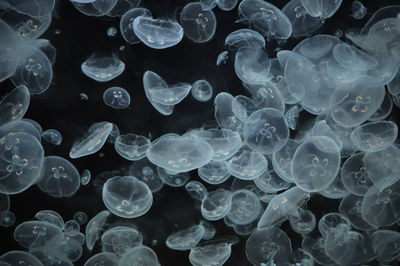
{"x":61,"y":108}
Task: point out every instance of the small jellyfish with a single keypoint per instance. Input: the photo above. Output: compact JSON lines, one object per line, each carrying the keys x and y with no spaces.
{"x":157,"y":33}
{"x":131,"y":146}
{"x":196,"y":190}
{"x":80,"y":217}
{"x":126,"y":196}
{"x":103,"y":68}
{"x":173,"y":179}
{"x":243,"y":107}
{"x":170,"y":95}
{"x":202,"y":90}
{"x":245,"y":38}
{"x":246,"y":207}
{"x":14,"y":105}
{"x":322,"y":9}
{"x":222,"y":58}
{"x":185,"y":239}
{"x":116,"y":97}
{"x":210,"y":254}
{"x":358,"y":10}
{"x":114,"y":134}
{"x":304,"y":223}
{"x":85,"y":177}
{"x":94,"y":227}
{"x":291,"y":117}
{"x":7,"y":218}
{"x":247,"y":165}
{"x":126,"y":23}
{"x":214,"y":173}
{"x":51,"y":217}
{"x":216,"y":205}
{"x":152,"y":80}
{"x":252,"y":65}
{"x":146,"y":172}
{"x":119,"y":239}
{"x":83,"y":97}
{"x":199,"y":25}
{"x":36,"y":234}
{"x":52,"y":136}
{"x":111,"y":31}
{"x":71,"y":227}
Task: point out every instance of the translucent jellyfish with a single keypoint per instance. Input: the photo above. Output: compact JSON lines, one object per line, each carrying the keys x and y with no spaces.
{"x":303,"y":24}
{"x":7,"y":218}
{"x":252,"y":65}
{"x":179,"y":154}
{"x":170,"y":95}
{"x":83,"y":96}
{"x":209,"y":230}
{"x":33,"y":8}
{"x":14,"y":105}
{"x":196,"y":190}
{"x":126,"y":23}
{"x":50,"y":216}
{"x":383,"y":166}
{"x":222,"y":58}
{"x":374,"y":136}
{"x":202,"y":90}
{"x":321,"y":128}
{"x":247,"y":165}
{"x":19,"y":257}
{"x":304,"y":223}
{"x":246,"y":207}
{"x":59,"y":177}
{"x":266,"y":131}
{"x":270,"y":182}
{"x":245,"y":38}
{"x":95,"y":8}
{"x":153,"y":81}
{"x":394,"y":85}
{"x":215,"y":172}
{"x":157,"y":33}
{"x":111,"y":31}
{"x":60,"y":248}
{"x":131,"y":146}
{"x":185,"y":239}
{"x":85,"y":177}
{"x":93,"y":142}
{"x":216,"y":205}
{"x":52,"y":136}
{"x":224,"y":114}
{"x":21,"y":161}
{"x":355,"y":176}
{"x":212,"y":254}
{"x":267,"y":245}
{"x":127,"y":197}
{"x":9,"y":50}
{"x":358,"y":10}
{"x":80,"y":217}
{"x":36,"y":234}
{"x":291,"y":116}
{"x":328,"y":223}
{"x":103,"y":68}
{"x":117,"y":98}
{"x":350,"y":207}
{"x":225,"y":142}
{"x":146,"y":172}
{"x":385,"y":244}
{"x":243,"y":107}
{"x":352,"y":58}
{"x":173,"y":179}
{"x":381,"y":207}
{"x":71,"y":228}
{"x":315,"y":163}
{"x":198,"y":24}
{"x":4,"y":202}
{"x":323,"y":9}
{"x":282,"y":159}
{"x":315,"y":246}
{"x":227,"y":5}
{"x":384,"y":110}
{"x":140,"y":255}
{"x":283,"y":206}
{"x":267,"y":95}
{"x":102,"y":258}
{"x":119,"y":239}
{"x":20,"y":126}
{"x":34,"y":70}
{"x":94,"y":227}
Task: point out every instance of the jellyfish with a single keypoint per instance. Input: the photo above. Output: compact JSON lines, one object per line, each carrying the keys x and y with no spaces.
{"x":116,"y":97}
{"x":103,"y":68}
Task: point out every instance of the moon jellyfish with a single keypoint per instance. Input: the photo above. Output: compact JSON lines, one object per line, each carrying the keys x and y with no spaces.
{"x":222,"y":58}
{"x":157,"y":33}
{"x":126,"y":196}
{"x":185,"y":239}
{"x":247,"y":165}
{"x":385,"y":244}
{"x":126,"y":23}
{"x":33,"y":8}
{"x":252,"y":65}
{"x":36,"y":234}
{"x":267,"y":95}
{"x":153,"y":81}
{"x":131,"y":146}
{"x":95,"y":8}
{"x":246,"y":207}
{"x":245,"y":38}
{"x":103,"y":68}
{"x":266,"y":131}
{"x":198,"y":24}
{"x":315,"y":247}
{"x":7,"y":218}
{"x":216,"y":205}
{"x":243,"y":107}
{"x":350,"y":207}
{"x":202,"y":90}
{"x":20,"y":257}
{"x":140,"y":255}
{"x":102,"y":258}
{"x":80,"y":217}
{"x":268,"y":245}
{"x":119,"y":239}
{"x":146,"y":172}
{"x":304,"y":223}
{"x":321,"y":128}
{"x":71,"y":228}
{"x":358,"y":10}
{"x":21,"y":161}
{"x":322,"y":9}
{"x":196,"y":190}
{"x":270,"y":182}
{"x":210,"y":254}
{"x":265,"y":18}
{"x":111,"y":31}
{"x":94,"y":227}
{"x":85,"y":177}
{"x":14,"y":105}
{"x":179,"y":154}
{"x":93,"y":142}
{"x":315,"y":163}
{"x":173,"y":179}
{"x":59,"y":178}
{"x":215,"y":172}
{"x":170,"y":95}
{"x":355,"y":177}
{"x":52,"y":136}
{"x":209,"y":230}
{"x":51,"y":217}
{"x":384,"y":110}
{"x":116,"y":97}
{"x":224,"y":113}
{"x":328,"y":223}
{"x":282,"y":207}
{"x":8,"y":51}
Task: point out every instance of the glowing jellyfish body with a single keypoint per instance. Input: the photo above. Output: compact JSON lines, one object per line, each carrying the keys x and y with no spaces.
{"x":126,"y":23}
{"x":92,"y":143}
{"x":173,"y":179}
{"x":51,"y":217}
{"x":127,"y":197}
{"x":7,"y":218}
{"x":185,"y":239}
{"x":80,"y":217}
{"x":116,"y":97}
{"x":199,"y":25}
{"x":215,"y":172}
{"x":35,"y":234}
{"x":131,"y":146}
{"x":245,"y":38}
{"x":14,"y":105}
{"x":141,"y":255}
{"x":222,"y":58}
{"x":153,"y":81}
{"x":52,"y":136}
{"x":16,"y":257}
{"x":252,"y":65}
{"x":119,"y":239}
{"x":212,"y":254}
{"x":104,"y":258}
{"x":146,"y":172}
{"x":202,"y":90}
{"x":247,"y":165}
{"x":323,"y":9}
{"x":216,"y":205}
{"x":170,"y":95}
{"x":85,"y":177}
{"x":196,"y":190}
{"x":157,"y":33}
{"x":8,"y":48}
{"x":94,"y":227}
{"x":59,"y":177}
{"x":103,"y":68}
{"x":246,"y":207}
